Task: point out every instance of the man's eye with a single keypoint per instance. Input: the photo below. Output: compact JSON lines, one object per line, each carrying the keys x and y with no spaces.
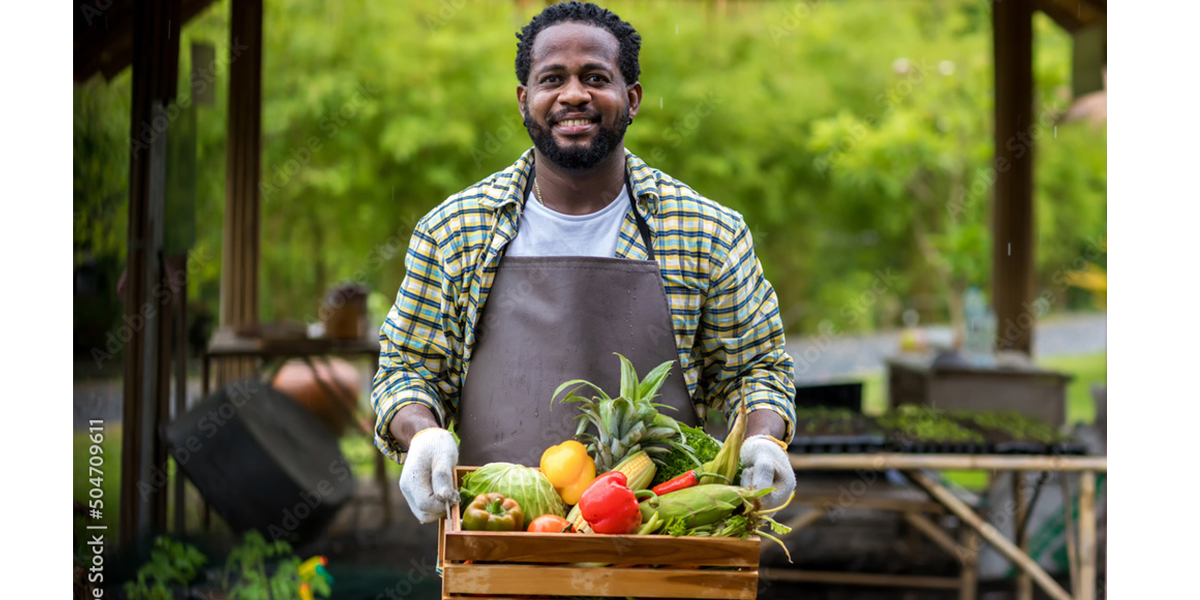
{"x":550,"y":79}
{"x":597,"y":78}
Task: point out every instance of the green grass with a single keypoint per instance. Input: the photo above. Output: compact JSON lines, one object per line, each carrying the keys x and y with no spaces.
{"x":1087,"y":369}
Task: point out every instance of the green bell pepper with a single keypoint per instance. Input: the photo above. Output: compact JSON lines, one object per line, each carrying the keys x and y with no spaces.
{"x":493,"y":512}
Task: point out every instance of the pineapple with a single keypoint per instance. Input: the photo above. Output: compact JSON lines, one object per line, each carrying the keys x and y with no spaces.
{"x":630,"y":432}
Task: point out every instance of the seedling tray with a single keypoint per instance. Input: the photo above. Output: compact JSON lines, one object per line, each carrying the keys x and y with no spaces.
{"x":520,"y":564}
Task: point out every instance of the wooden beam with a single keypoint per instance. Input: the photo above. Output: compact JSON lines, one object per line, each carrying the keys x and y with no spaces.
{"x":156,"y":38}
{"x":240,"y":250}
{"x":901,"y":581}
{"x":1012,"y":218}
{"x":941,"y":462}
{"x":990,"y":534}
{"x":937,"y":536}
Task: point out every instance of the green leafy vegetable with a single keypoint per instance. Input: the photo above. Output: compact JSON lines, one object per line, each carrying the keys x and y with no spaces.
{"x":532,"y":490}
{"x":676,"y":462}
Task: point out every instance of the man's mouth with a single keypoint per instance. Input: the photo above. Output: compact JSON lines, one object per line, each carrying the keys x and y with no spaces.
{"x":574,"y":126}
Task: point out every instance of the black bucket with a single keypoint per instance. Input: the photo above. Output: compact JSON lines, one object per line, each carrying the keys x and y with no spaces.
{"x":262,"y":461}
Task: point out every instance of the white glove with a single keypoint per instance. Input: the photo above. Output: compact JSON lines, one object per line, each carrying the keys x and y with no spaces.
{"x":765,"y":465}
{"x":427,"y":478}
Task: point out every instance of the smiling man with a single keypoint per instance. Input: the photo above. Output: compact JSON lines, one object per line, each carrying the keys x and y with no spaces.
{"x":537,"y":274}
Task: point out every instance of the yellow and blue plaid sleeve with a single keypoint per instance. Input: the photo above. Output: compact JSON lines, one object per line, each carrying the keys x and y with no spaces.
{"x":741,"y":339}
{"x":415,"y":350}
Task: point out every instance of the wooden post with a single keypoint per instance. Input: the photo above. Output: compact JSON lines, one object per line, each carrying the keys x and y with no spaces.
{"x":970,"y":567}
{"x":180,"y":327}
{"x":1013,"y":235}
{"x":155,"y":64}
{"x":1087,"y":536}
{"x":989,"y":534}
{"x":239,"y":266}
{"x":1020,"y":488}
{"x":1069,"y":533}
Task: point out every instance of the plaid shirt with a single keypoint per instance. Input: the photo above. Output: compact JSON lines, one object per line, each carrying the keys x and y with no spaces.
{"x":725,"y":315}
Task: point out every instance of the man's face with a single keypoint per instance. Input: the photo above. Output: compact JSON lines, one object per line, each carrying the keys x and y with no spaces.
{"x":576,"y":104}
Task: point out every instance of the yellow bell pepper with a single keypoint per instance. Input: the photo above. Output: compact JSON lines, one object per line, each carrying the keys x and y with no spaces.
{"x":569,"y":469}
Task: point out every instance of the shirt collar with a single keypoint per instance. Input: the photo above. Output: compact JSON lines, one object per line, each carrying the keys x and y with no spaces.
{"x":511,"y":183}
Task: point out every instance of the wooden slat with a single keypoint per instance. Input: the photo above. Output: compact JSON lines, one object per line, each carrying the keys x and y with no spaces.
{"x":937,"y":535}
{"x":970,"y":567}
{"x":901,"y":581}
{"x":1087,"y":537}
{"x":1021,"y":501}
{"x":937,"y":462}
{"x":990,"y":534}
{"x":1069,"y":533}
{"x":866,"y":502}
{"x":524,"y":547}
{"x":598,"y":581}
{"x":799,"y":522}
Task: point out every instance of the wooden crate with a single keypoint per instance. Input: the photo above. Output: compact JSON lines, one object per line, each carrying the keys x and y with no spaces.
{"x":521,"y":564}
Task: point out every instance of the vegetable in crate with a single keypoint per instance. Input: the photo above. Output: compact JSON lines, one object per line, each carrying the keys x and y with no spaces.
{"x":609,"y":506}
{"x":493,"y":512}
{"x":550,"y":524}
{"x":684,"y":481}
{"x":631,"y":435}
{"x":532,"y":491}
{"x":714,"y":510}
{"x":569,"y":469}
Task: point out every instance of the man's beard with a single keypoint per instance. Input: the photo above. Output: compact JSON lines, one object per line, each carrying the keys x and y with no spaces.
{"x":576,"y":157}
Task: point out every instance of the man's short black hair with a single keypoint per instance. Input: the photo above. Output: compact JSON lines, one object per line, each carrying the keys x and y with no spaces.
{"x":590,"y":14}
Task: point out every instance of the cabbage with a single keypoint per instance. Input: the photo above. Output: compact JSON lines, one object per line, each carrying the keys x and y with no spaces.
{"x":526,"y":485}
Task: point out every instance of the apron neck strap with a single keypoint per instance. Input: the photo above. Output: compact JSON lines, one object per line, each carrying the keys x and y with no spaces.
{"x":643,"y":227}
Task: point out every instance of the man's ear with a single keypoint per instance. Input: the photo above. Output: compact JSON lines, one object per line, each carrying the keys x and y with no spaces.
{"x":635,"y":98}
{"x":521,"y":93}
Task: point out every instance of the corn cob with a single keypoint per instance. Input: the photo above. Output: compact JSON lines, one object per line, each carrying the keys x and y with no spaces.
{"x":576,"y":519}
{"x":702,"y":505}
{"x":639,"y":470}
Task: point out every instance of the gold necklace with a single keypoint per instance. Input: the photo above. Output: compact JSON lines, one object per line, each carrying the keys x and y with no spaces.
{"x":538,"y":189}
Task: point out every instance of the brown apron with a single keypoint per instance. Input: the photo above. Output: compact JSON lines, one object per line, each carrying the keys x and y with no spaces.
{"x":548,"y":320}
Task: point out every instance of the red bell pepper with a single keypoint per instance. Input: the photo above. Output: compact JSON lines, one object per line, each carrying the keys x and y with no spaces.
{"x":609,"y":506}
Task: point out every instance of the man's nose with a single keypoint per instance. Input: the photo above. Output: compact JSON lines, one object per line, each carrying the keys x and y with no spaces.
{"x":574,"y":93}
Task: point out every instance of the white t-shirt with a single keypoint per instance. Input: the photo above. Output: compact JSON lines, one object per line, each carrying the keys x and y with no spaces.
{"x":545,"y":232}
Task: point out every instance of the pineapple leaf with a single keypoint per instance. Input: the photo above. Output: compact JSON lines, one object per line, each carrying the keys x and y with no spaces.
{"x":629,"y":380}
{"x":578,"y":383}
{"x":654,"y":380}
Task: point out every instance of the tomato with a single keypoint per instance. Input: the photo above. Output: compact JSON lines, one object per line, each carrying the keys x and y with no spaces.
{"x":550,"y":524}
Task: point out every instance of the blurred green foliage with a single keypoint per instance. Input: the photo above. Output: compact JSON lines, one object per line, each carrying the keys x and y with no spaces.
{"x":854,"y":136}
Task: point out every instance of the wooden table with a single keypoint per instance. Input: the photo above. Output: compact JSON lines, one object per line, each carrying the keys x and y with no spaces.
{"x":225,"y":344}
{"x":1081,"y":552}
